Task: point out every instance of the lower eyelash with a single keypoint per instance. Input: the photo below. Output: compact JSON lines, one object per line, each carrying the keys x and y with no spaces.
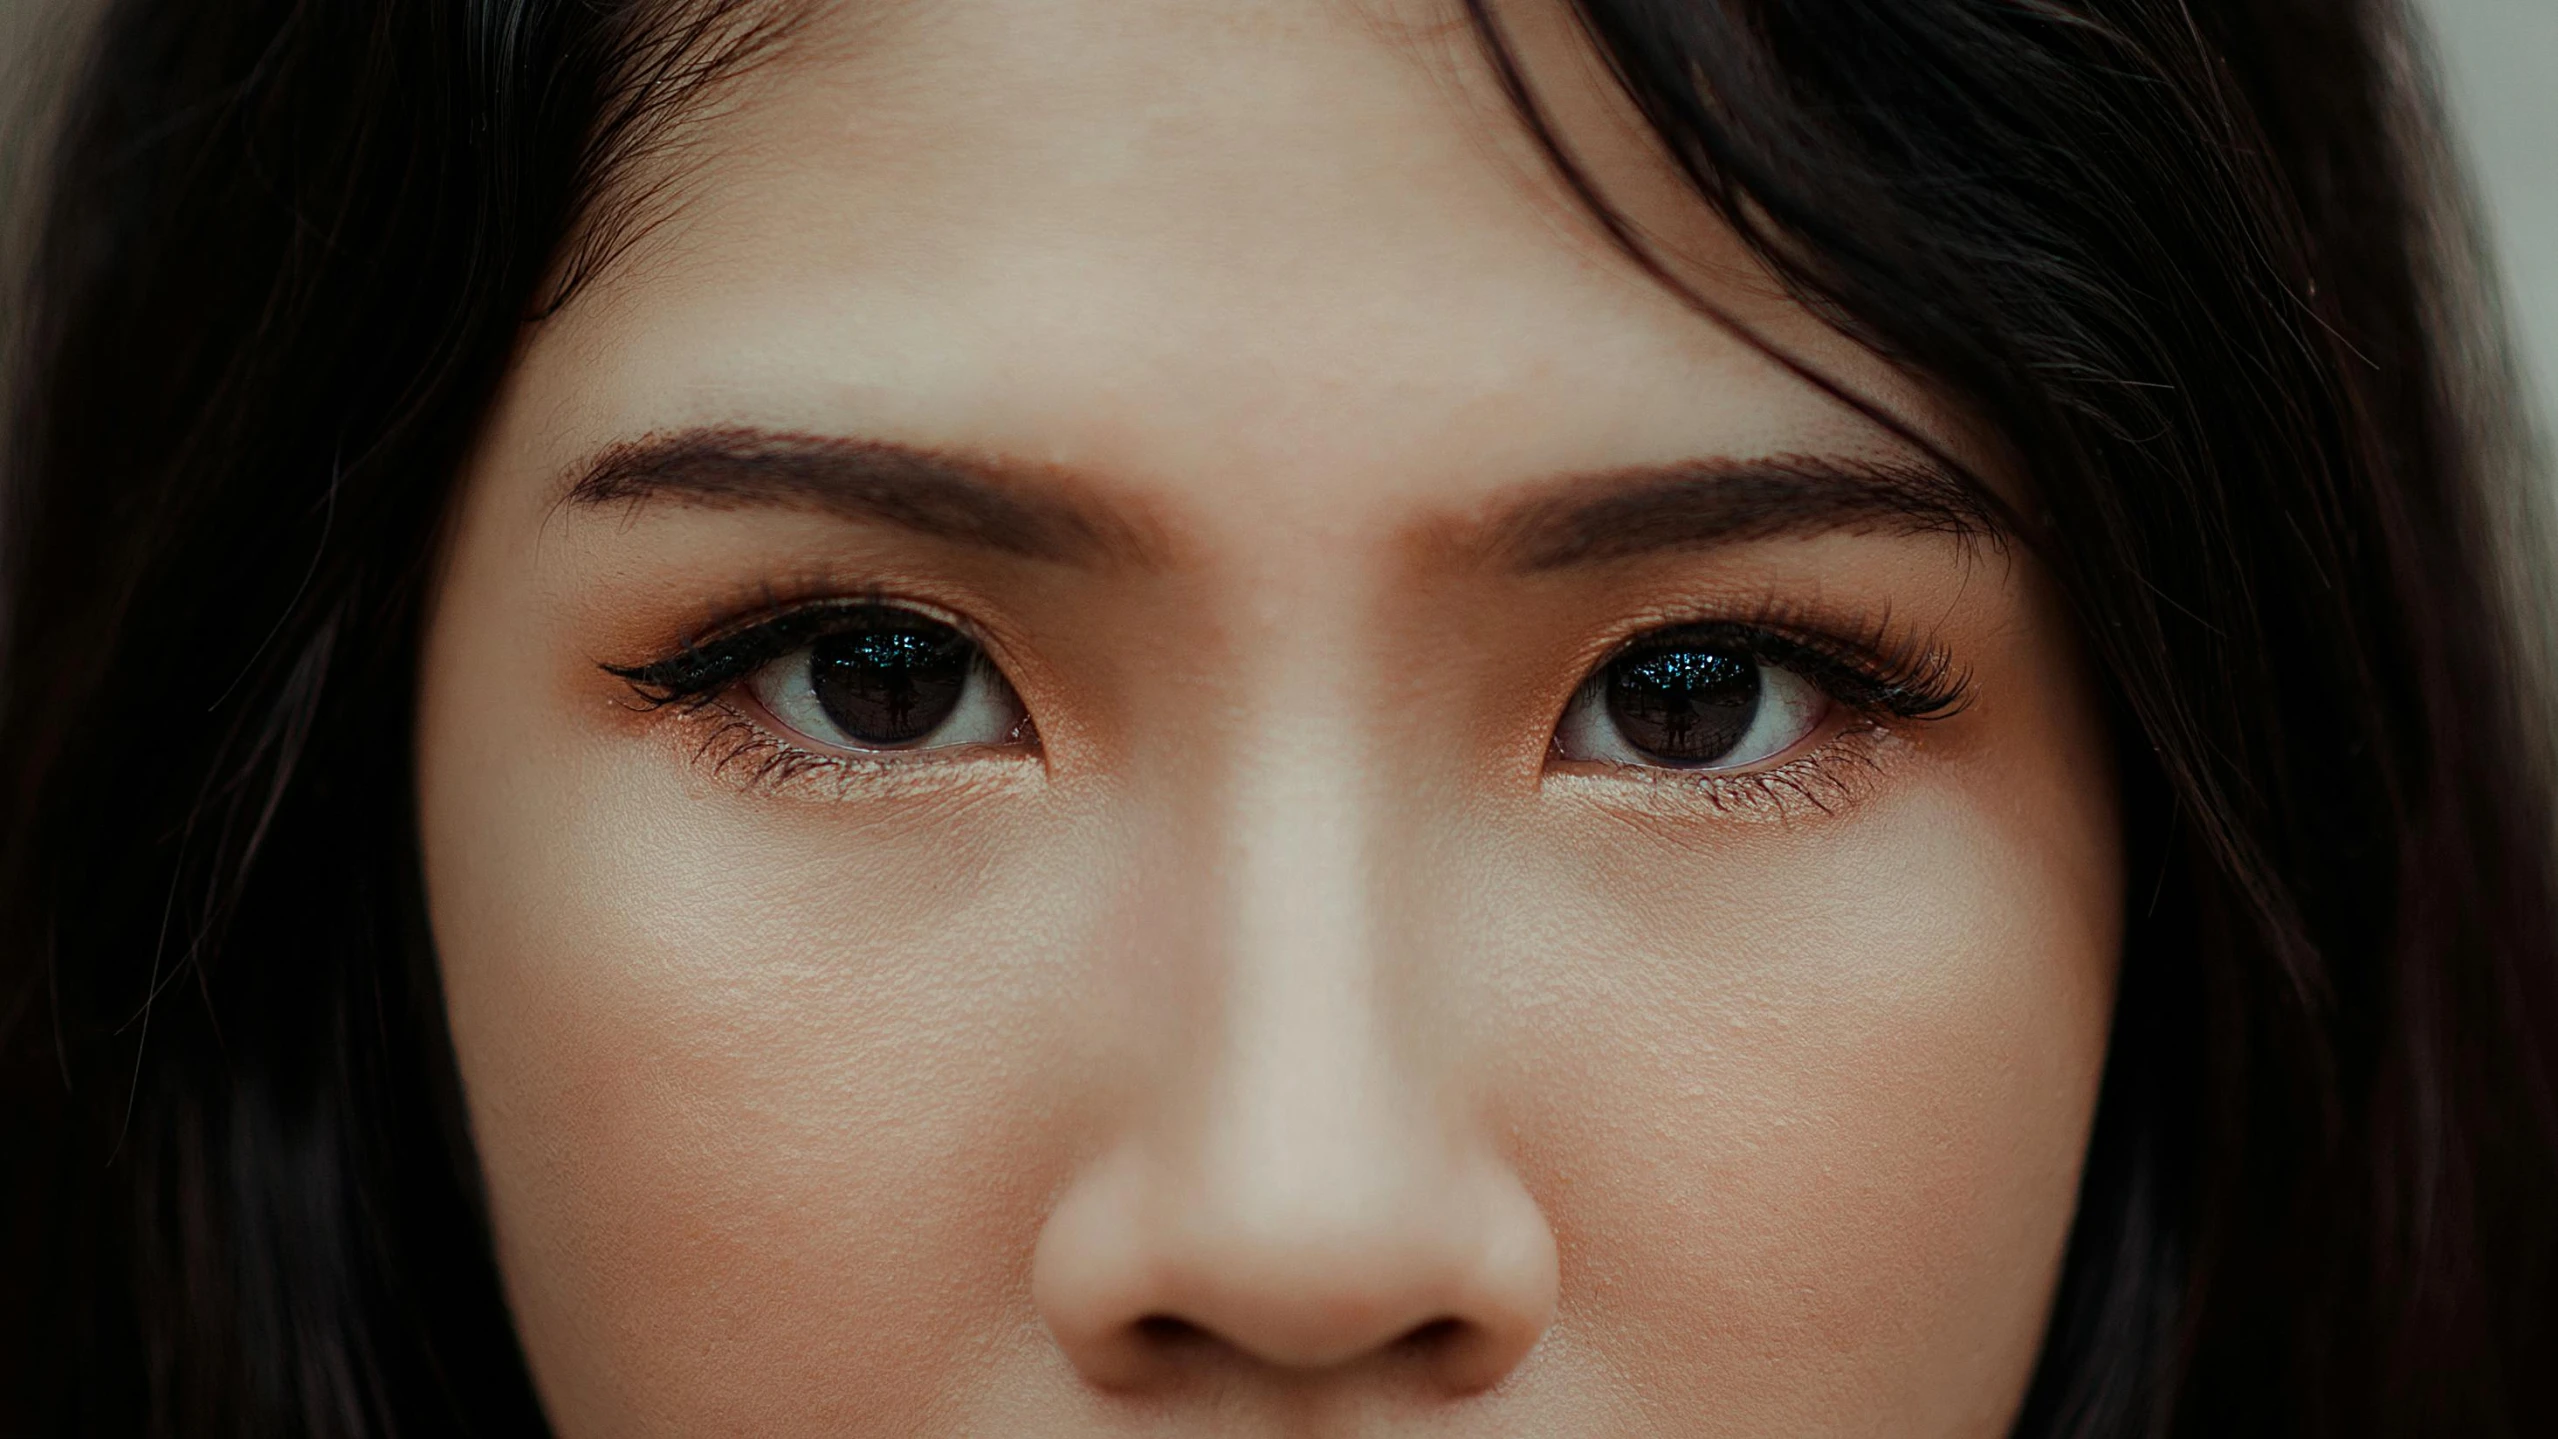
{"x":738,"y":749}
{"x":731,"y":746}
{"x":1838,"y":773}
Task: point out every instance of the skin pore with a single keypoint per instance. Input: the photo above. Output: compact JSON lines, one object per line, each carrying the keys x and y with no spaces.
{"x":1284,"y":1005}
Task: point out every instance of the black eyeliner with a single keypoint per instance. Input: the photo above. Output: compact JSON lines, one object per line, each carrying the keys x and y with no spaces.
{"x":707,"y":665}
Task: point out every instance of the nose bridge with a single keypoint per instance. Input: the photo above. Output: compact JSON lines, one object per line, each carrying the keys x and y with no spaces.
{"x":1303,"y":1189}
{"x":1294,"y":849}
{"x":1308,"y":1095}
{"x":1284,"y":859}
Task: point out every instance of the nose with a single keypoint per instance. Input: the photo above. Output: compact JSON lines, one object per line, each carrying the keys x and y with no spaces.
{"x":1338,"y":1255}
{"x":1304,"y":1190}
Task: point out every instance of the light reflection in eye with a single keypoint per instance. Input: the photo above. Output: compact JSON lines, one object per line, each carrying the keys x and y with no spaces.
{"x":888,"y":678}
{"x":1690,"y":702}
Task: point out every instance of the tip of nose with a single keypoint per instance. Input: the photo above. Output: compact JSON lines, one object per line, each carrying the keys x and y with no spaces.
{"x":1453,"y":1304}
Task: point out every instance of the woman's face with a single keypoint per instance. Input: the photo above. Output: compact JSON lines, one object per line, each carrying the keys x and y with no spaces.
{"x":1251,"y":788}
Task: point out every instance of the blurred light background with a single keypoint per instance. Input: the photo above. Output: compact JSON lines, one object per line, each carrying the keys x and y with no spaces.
{"x":2500,"y":73}
{"x":2500,"y":83}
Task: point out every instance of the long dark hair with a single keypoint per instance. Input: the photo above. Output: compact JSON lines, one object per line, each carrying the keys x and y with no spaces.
{"x":2202,"y":266}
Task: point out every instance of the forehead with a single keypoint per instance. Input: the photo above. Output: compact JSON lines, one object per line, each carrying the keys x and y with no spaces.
{"x":1203,"y":243}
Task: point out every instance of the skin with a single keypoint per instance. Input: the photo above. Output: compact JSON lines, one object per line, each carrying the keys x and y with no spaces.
{"x":1288,"y":1040}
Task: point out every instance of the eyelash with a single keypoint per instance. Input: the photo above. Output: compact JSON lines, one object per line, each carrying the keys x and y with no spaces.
{"x":1869,"y":667}
{"x":709,"y":665}
{"x":1877,"y":673}
{"x":1885,"y":679}
{"x":697,"y":679}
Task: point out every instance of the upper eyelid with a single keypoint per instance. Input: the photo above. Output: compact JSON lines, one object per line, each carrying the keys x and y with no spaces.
{"x":772,"y":617}
{"x":728,"y":650}
{"x":699,"y":664}
{"x":1924,"y":681}
{"x":1912,"y":681}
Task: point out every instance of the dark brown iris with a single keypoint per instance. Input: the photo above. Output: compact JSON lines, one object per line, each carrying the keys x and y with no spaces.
{"x":1683,"y":704}
{"x":893,"y":682}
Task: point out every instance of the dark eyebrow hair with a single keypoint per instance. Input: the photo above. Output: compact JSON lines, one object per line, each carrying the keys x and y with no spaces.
{"x":1023,"y":510}
{"x":1594,"y":518}
{"x":1000,"y":505}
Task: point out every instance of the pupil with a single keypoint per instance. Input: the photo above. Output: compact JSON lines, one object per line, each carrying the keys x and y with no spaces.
{"x":893,"y":684}
{"x":1687,"y":705}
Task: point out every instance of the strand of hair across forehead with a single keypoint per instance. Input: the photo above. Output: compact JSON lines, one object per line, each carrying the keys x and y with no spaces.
{"x":1622,"y":234}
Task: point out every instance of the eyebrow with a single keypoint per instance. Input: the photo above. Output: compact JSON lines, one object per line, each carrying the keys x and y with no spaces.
{"x":1698,"y":504}
{"x":1045,"y":513}
{"x":1029,"y":511}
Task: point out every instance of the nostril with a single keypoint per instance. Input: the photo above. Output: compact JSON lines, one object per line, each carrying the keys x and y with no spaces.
{"x":1167,"y":1331}
{"x":1435,"y":1336}
{"x":1162,"y":1338}
{"x":1152,"y":1276}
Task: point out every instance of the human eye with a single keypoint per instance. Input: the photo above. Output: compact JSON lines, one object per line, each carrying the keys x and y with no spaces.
{"x":888,"y":680}
{"x":1720,"y":699}
{"x":873,"y":679}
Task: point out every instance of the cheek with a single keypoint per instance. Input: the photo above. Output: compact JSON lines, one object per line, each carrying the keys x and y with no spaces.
{"x":758,"y":1094}
{"x":1813,"y":1102}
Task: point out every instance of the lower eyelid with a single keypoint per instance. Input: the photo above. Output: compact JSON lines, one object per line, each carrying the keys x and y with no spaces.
{"x":1827,"y":779}
{"x":726,"y":741}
